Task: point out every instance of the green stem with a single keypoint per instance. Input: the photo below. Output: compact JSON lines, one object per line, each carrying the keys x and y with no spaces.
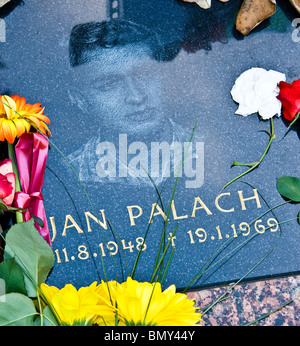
{"x":272,"y":312}
{"x":12,"y":156}
{"x":295,"y":119}
{"x":291,"y":124}
{"x":235,"y":163}
{"x":40,"y":307}
{"x":254,"y":164}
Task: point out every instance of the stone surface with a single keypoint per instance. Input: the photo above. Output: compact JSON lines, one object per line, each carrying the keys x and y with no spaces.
{"x":126,"y":105}
{"x":249,"y":302}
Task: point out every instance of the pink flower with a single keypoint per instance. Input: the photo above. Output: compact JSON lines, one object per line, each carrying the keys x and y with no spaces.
{"x":7,"y":182}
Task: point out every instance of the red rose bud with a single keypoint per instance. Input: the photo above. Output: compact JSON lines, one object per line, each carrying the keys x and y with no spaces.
{"x":289,"y":96}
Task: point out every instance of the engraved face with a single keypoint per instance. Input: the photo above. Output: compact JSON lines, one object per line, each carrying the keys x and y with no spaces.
{"x":122,"y":88}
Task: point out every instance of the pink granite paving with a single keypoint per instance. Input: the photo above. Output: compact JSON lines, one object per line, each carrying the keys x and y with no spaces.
{"x":250,"y":301}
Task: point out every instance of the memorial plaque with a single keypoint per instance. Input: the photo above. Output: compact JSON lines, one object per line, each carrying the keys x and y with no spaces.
{"x":124,"y":83}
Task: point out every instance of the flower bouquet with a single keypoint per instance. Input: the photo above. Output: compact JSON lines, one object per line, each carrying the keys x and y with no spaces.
{"x":28,"y":256}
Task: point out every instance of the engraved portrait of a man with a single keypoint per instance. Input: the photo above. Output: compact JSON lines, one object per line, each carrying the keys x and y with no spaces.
{"x":117,"y":82}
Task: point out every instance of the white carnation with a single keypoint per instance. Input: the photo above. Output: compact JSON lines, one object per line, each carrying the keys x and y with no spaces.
{"x":256,"y":90}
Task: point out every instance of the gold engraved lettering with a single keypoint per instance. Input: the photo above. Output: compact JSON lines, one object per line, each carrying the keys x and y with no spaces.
{"x":172,"y":239}
{"x":242,"y":199}
{"x":273,"y":223}
{"x":234,"y":230}
{"x":112,"y":247}
{"x":101,"y":223}
{"x":219,"y":232}
{"x":57,"y":255}
{"x":82,"y":252}
{"x":53,"y":226}
{"x":203,"y":206}
{"x":218,"y":206}
{"x":245,"y":228}
{"x":131,"y":216}
{"x":141,"y":245}
{"x":102,"y":250}
{"x":159,"y":212}
{"x":73,"y":224}
{"x":259,"y":227}
{"x":201,"y":234}
{"x":175,"y":213}
{"x":190,"y":233}
{"x":130,"y":246}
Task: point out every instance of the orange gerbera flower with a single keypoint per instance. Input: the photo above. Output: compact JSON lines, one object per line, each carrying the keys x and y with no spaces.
{"x":17,"y":117}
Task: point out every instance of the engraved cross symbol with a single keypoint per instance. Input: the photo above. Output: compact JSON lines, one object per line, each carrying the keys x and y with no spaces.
{"x":172,"y":239}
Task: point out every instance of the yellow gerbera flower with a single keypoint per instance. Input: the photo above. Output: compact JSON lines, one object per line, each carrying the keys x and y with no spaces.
{"x":131,"y":303}
{"x":146,"y":304}
{"x":16,"y":117}
{"x":107,"y":292}
{"x":74,"y":307}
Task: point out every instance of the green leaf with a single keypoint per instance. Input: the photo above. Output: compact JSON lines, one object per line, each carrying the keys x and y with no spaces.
{"x":299,"y":218}
{"x":16,"y":310}
{"x":289,"y":187}
{"x":31,"y":253}
{"x":38,"y":220}
{"x":48,"y":319}
{"x":3,"y":205}
{"x":13,"y":277}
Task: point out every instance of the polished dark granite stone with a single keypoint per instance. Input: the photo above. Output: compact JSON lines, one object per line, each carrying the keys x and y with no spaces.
{"x":110,"y":113}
